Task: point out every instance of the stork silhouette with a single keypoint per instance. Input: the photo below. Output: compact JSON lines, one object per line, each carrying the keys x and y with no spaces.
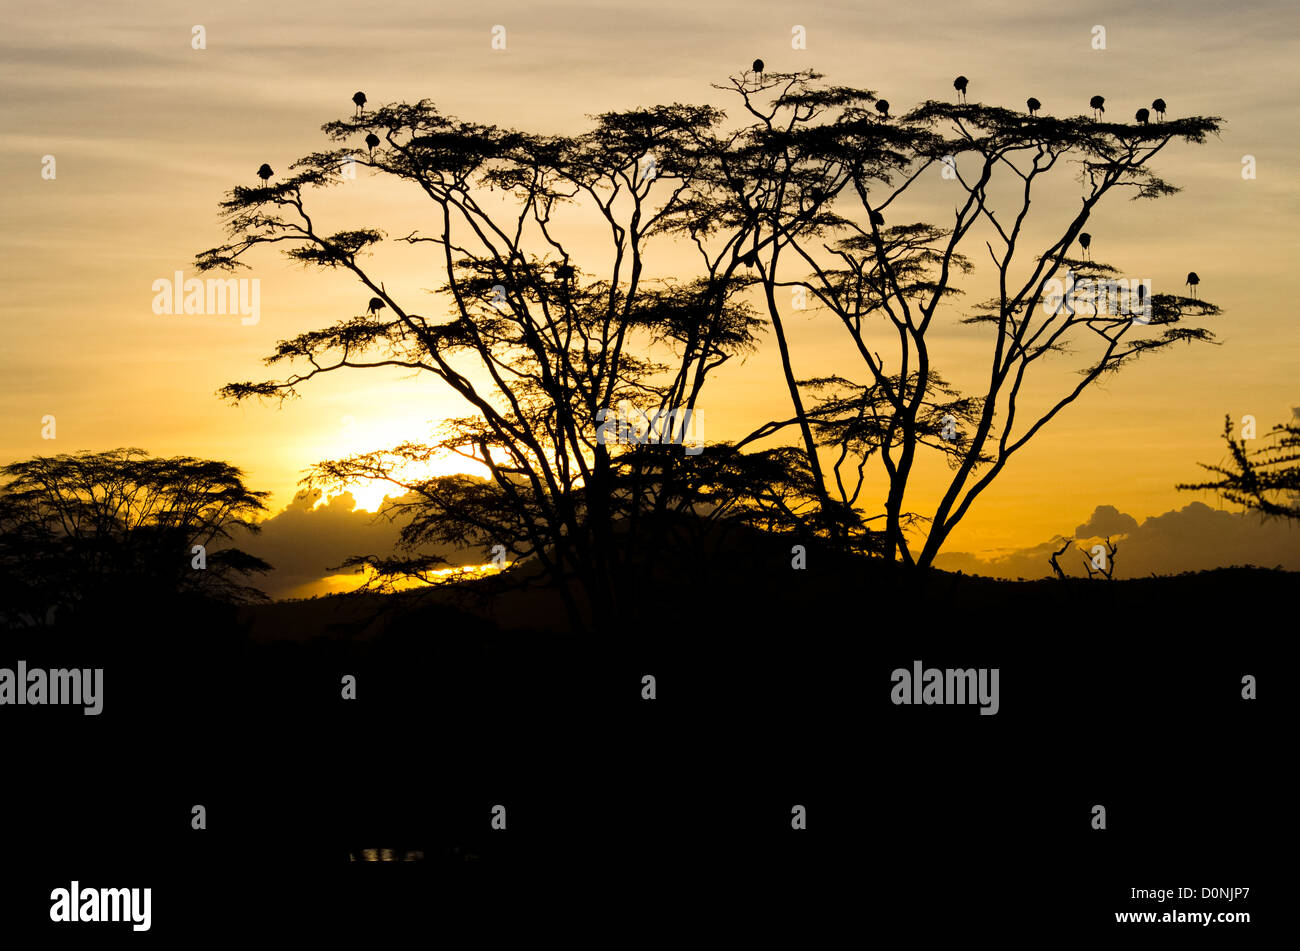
{"x":1033,"y":104}
{"x":1098,"y":104}
{"x":1193,"y":279}
{"x":371,"y":141}
{"x":1159,"y":108}
{"x":1085,"y":242}
{"x":360,"y":99}
{"x":959,"y":84}
{"x":877,"y":219}
{"x":264,"y":173}
{"x":882,"y":106}
{"x":1142,"y":116}
{"x":375,"y":306}
{"x":758,"y":68}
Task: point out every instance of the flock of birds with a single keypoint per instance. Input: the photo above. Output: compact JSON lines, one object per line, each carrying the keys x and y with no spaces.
{"x":1097,"y":103}
{"x":961,"y":83}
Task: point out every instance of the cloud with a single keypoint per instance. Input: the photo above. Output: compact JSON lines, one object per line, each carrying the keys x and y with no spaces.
{"x":1106,"y":520}
{"x":1193,"y":538}
{"x":304,"y":542}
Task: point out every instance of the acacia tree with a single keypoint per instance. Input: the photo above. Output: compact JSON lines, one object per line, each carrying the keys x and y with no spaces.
{"x":537,"y":345}
{"x":1264,"y":480}
{"x":888,"y":284}
{"x":78,"y":529}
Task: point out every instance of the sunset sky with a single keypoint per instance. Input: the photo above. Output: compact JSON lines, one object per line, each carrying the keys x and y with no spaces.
{"x":148,"y":134}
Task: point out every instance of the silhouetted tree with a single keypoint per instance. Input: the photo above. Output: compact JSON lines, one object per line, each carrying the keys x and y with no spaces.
{"x":1265,"y":480}
{"x":794,"y":198}
{"x":1056,"y":565}
{"x":79,"y":531}
{"x":886,"y":285}
{"x":779,"y":172}
{"x":535,"y":345}
{"x":1107,"y":567}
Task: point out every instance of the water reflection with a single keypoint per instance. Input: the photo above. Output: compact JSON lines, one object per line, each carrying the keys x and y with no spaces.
{"x":454,"y":854}
{"x":387,"y":855}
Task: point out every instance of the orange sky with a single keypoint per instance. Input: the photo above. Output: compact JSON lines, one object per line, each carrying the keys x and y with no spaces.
{"x":148,"y":134}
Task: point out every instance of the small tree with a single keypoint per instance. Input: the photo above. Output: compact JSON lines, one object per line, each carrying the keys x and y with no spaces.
{"x":1264,"y":480}
{"x":77,"y":530}
{"x":1056,"y":565}
{"x":1100,"y":563}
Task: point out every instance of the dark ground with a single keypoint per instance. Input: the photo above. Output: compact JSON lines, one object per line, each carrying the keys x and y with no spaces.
{"x":773,"y":690}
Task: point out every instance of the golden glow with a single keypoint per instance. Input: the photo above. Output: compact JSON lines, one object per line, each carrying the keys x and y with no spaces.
{"x":137,"y":187}
{"x":351,"y":581}
{"x":372,"y":435}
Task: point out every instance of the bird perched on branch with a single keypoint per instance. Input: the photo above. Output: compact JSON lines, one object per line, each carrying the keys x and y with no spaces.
{"x":1033,"y":104}
{"x":1098,"y":104}
{"x":758,"y":68}
{"x":882,"y":106}
{"x":1159,"y":108}
{"x":359,"y":98}
{"x":1085,"y":242}
{"x":371,"y":141}
{"x":264,"y":173}
{"x":375,"y":306}
{"x":1193,"y":279}
{"x":959,"y":84}
{"x":1142,"y":116}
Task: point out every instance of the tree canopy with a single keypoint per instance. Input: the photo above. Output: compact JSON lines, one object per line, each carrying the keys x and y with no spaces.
{"x":82,"y":529}
{"x":803,"y":191}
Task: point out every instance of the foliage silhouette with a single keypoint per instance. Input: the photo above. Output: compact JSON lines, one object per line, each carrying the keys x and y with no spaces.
{"x":536,"y":346}
{"x":835,"y":171}
{"x":1264,"y":480}
{"x":84,"y":531}
{"x":539,"y":347}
